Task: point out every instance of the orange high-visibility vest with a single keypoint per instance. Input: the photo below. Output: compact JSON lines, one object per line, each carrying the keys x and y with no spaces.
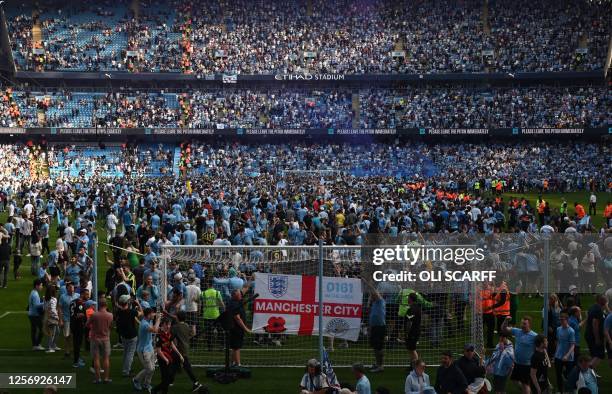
{"x":487,"y":301}
{"x":504,"y":309}
{"x":580,"y":211}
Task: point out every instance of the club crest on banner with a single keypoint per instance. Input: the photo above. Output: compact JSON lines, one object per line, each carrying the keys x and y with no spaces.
{"x":277,"y":284}
{"x":337,"y":327}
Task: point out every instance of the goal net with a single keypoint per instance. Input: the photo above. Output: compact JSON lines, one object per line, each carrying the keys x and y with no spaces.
{"x":449,"y":321}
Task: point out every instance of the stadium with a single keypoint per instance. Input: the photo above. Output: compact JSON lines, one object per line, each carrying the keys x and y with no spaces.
{"x":193,"y":196}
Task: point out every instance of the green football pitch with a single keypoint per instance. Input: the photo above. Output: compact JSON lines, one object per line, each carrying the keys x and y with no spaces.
{"x":16,"y":356}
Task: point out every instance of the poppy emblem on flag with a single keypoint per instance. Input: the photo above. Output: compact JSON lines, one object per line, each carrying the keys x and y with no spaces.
{"x":277,"y":284}
{"x":275,"y":325}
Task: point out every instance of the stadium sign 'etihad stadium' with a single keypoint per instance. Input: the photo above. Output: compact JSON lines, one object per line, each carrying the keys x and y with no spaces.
{"x":309,"y":77}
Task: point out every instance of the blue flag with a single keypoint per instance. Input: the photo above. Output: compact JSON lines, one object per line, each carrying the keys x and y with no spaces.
{"x":328,"y":370}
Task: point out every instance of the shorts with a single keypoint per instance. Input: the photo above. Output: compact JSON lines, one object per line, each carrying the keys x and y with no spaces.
{"x":411,"y":343}
{"x":499,"y":383}
{"x":236,"y":339}
{"x":377,"y":337}
{"x":598,"y":351}
{"x":521,"y":373}
{"x":100,"y":348}
{"x":66,"y":328}
{"x":609,"y":352}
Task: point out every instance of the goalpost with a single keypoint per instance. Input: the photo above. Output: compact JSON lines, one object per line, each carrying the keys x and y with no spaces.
{"x":441,"y":328}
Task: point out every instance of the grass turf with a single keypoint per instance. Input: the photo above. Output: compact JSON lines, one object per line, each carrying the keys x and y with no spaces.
{"x":16,"y":356}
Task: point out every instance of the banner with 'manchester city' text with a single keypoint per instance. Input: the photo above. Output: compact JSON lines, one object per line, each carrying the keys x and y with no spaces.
{"x":289,"y":304}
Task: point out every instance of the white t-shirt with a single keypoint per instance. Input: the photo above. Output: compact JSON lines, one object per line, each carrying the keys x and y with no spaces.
{"x":191,"y":300}
{"x":26,"y":227}
{"x":475,"y":212}
{"x":69,"y":234}
{"x":111,"y":222}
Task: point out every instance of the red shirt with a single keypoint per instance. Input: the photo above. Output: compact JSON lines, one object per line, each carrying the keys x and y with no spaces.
{"x":164,"y":342}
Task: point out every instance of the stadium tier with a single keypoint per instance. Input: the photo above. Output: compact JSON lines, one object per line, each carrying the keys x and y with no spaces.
{"x":341,"y":37}
{"x":440,"y":107}
{"x":454,"y":166}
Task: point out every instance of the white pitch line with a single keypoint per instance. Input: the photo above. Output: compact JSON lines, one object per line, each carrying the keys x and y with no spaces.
{"x":5,"y":314}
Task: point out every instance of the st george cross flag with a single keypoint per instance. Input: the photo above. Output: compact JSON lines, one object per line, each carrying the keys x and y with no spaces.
{"x":289,"y":304}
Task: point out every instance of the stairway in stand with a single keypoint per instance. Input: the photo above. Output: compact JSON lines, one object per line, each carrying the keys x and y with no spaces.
{"x":37,"y":43}
{"x":176,"y":161}
{"x":185,"y":43}
{"x":356,"y":109}
{"x":486,"y":25}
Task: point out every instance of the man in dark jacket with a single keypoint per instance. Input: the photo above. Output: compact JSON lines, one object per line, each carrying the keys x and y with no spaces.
{"x":469,"y":364}
{"x":449,"y":378}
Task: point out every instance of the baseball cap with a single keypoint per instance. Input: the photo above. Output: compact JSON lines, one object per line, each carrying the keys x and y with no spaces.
{"x":469,"y":346}
{"x":124,"y":299}
{"x":573,"y":287}
{"x":178,"y":276}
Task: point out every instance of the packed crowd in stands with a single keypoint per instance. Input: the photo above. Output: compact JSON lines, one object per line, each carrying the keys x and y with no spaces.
{"x":527,"y":41}
{"x":279,"y":109}
{"x":342,"y":36}
{"x":521,"y":107}
{"x":230,"y":205}
{"x":405,"y":108}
